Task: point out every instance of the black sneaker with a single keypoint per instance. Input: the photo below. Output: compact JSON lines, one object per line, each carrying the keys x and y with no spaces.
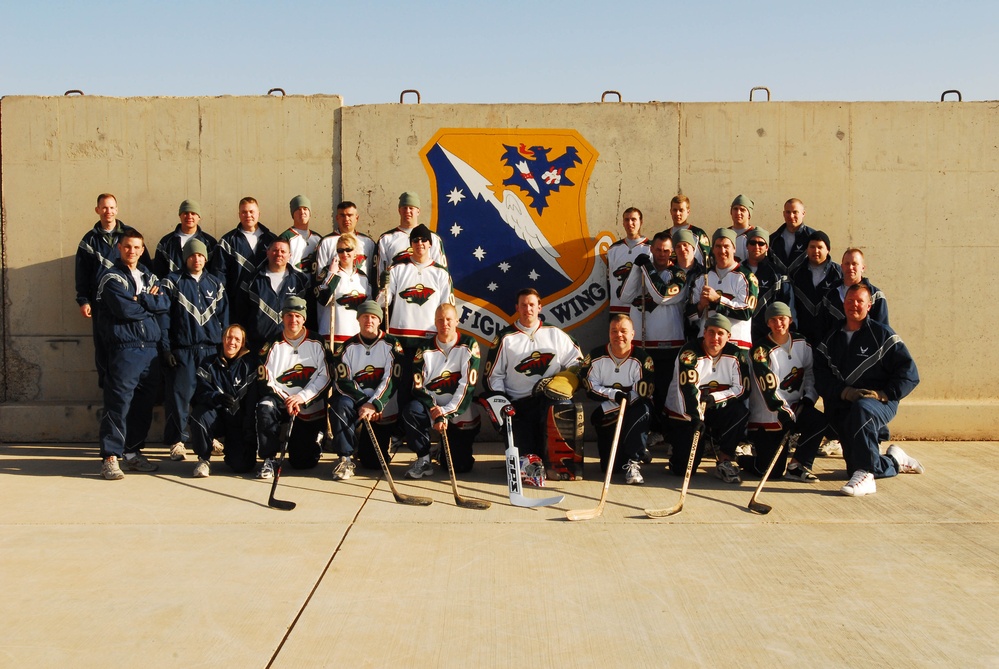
{"x":798,"y":472}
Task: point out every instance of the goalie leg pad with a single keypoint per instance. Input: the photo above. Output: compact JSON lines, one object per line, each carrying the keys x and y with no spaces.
{"x":565,"y":423}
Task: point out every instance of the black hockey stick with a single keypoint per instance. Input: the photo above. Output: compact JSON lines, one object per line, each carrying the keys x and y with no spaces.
{"x":760,"y":507}
{"x":463,"y":502}
{"x":586,"y":514}
{"x":272,"y":502}
{"x":412,"y":500}
{"x":675,"y":509}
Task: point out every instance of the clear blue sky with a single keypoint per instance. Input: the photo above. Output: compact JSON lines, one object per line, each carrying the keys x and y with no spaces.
{"x":515,"y":51}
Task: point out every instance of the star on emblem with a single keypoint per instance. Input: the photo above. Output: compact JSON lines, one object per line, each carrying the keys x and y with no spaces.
{"x":479,"y":253}
{"x":455,"y":229}
{"x":533,"y":275}
{"x":492,"y":286}
{"x":504,"y":267}
{"x":455,"y":196}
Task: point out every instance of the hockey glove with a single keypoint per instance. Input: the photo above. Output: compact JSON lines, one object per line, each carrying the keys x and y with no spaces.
{"x":619,"y":396}
{"x":645,"y":262}
{"x":169,"y":359}
{"x":558,"y":387}
{"x":850,"y":394}
{"x":230,"y":403}
{"x":786,"y":419}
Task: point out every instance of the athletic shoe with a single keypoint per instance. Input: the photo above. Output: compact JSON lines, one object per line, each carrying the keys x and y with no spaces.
{"x":861,"y":483}
{"x":110,"y":469}
{"x":744,"y":448}
{"x":343,"y":469}
{"x":178,"y":452}
{"x":646,"y":457}
{"x":138,"y":464}
{"x":654,"y":439}
{"x":633,"y":473}
{"x":799,"y":472}
{"x":906,"y":464}
{"x":202,"y":470}
{"x":218,"y":448}
{"x":267,"y":469}
{"x":728,"y":471}
{"x":420,"y":468}
{"x":831,"y":449}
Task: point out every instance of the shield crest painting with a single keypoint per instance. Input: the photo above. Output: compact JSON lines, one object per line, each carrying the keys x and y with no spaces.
{"x":511,"y":212}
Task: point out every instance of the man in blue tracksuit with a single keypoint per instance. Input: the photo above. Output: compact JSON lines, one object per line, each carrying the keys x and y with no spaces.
{"x":863,"y":370}
{"x":265,"y":292}
{"x":198,"y":313}
{"x":133,"y":327}
{"x":170,"y":251}
{"x":238,"y":255}
{"x":97,"y":253}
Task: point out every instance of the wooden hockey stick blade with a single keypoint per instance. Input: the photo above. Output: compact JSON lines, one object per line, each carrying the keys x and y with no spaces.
{"x":463,"y":502}
{"x":676,"y":508}
{"x":412,"y":500}
{"x":760,"y":507}
{"x":586,"y":514}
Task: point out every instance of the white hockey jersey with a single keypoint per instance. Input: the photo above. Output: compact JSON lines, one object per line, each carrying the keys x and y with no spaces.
{"x":520,"y":358}
{"x":289,"y":370}
{"x":411,"y":296}
{"x":782,"y":376}
{"x":446,"y":377}
{"x":367,"y":372}
{"x":621,"y":256}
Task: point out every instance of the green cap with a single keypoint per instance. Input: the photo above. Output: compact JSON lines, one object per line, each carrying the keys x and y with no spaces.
{"x":742,"y":201}
{"x":300,"y":201}
{"x":778,"y":309}
{"x":718,"y":321}
{"x":409,"y":199}
{"x":684,"y":237}
{"x":190,"y":206}
{"x":758,"y":232}
{"x":726,"y":233}
{"x":293,"y":304}
{"x":369,"y":307}
{"x":195,"y":245}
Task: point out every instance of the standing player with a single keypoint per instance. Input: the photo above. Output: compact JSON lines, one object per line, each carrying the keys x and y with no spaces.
{"x":133,"y":325}
{"x":199,"y":312}
{"x":343,"y":289}
{"x":364,"y":249}
{"x":301,"y":240}
{"x":741,"y":212}
{"x":711,"y":370}
{"x":618,"y":371}
{"x":444,"y":376}
{"x":266,"y":291}
{"x":621,"y":257}
{"x":782,"y":400}
{"x":394,"y":245}
{"x":679,"y":212}
{"x":238,"y":255}
{"x":728,"y":289}
{"x":97,"y":252}
{"x":812,"y":282}
{"x":774,"y":286}
{"x":534,"y":365}
{"x":293,"y":383}
{"x":853,"y":268}
{"x":789,"y":243}
{"x":365,"y":372}
{"x":170,"y":251}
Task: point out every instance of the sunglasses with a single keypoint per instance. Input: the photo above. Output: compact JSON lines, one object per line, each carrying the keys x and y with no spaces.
{"x":756,"y":243}
{"x":346,"y":250}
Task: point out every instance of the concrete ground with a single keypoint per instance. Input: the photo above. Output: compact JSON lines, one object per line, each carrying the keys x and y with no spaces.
{"x":162,"y":570}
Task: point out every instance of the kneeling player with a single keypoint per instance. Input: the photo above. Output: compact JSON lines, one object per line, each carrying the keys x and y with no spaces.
{"x":616,"y":372}
{"x":294,"y":381}
{"x":444,"y":376}
{"x":711,"y":370}
{"x":535,"y":365}
{"x":365,"y":366}
{"x":782,"y":400}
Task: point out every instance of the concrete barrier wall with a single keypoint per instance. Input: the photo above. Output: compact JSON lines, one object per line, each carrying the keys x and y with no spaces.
{"x":907,"y":182}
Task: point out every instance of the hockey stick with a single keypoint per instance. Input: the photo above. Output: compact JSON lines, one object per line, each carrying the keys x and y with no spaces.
{"x":412,"y":500}
{"x":586,"y":514}
{"x":513,"y":481}
{"x":281,"y":504}
{"x":760,"y":507}
{"x":675,"y":509}
{"x":463,"y":502}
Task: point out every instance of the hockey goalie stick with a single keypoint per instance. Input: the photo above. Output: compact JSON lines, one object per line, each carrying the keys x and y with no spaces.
{"x":463,"y":502}
{"x":273,"y":502}
{"x":586,"y":514}
{"x":675,"y":509}
{"x":759,"y":507}
{"x":513,"y":477}
{"x":412,"y":500}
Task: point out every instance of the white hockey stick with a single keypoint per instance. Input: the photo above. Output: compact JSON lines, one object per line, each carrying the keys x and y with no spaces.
{"x":513,"y":481}
{"x":586,"y":514}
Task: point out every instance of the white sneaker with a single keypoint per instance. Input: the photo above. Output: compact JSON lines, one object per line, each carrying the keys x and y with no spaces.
{"x":110,"y":469}
{"x":633,"y":473}
{"x":906,"y":464}
{"x":218,"y":448}
{"x":831,"y":449}
{"x":420,"y":468}
{"x":178,"y":452}
{"x":728,"y":471}
{"x":343,"y":469}
{"x":266,"y":469}
{"x":861,"y":483}
{"x":743,"y":448}
{"x":202,"y":470}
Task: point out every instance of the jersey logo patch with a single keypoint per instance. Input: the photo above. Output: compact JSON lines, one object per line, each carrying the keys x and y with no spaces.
{"x":793,"y":380}
{"x":297,"y":376}
{"x":446,"y":383}
{"x":369,"y":377}
{"x":623,"y":271}
{"x":535,"y":364}
{"x":688,"y":358}
{"x":418,"y":294}
{"x":351,"y":300}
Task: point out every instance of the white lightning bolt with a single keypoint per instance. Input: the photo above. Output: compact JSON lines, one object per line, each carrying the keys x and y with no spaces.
{"x":512,"y":210}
